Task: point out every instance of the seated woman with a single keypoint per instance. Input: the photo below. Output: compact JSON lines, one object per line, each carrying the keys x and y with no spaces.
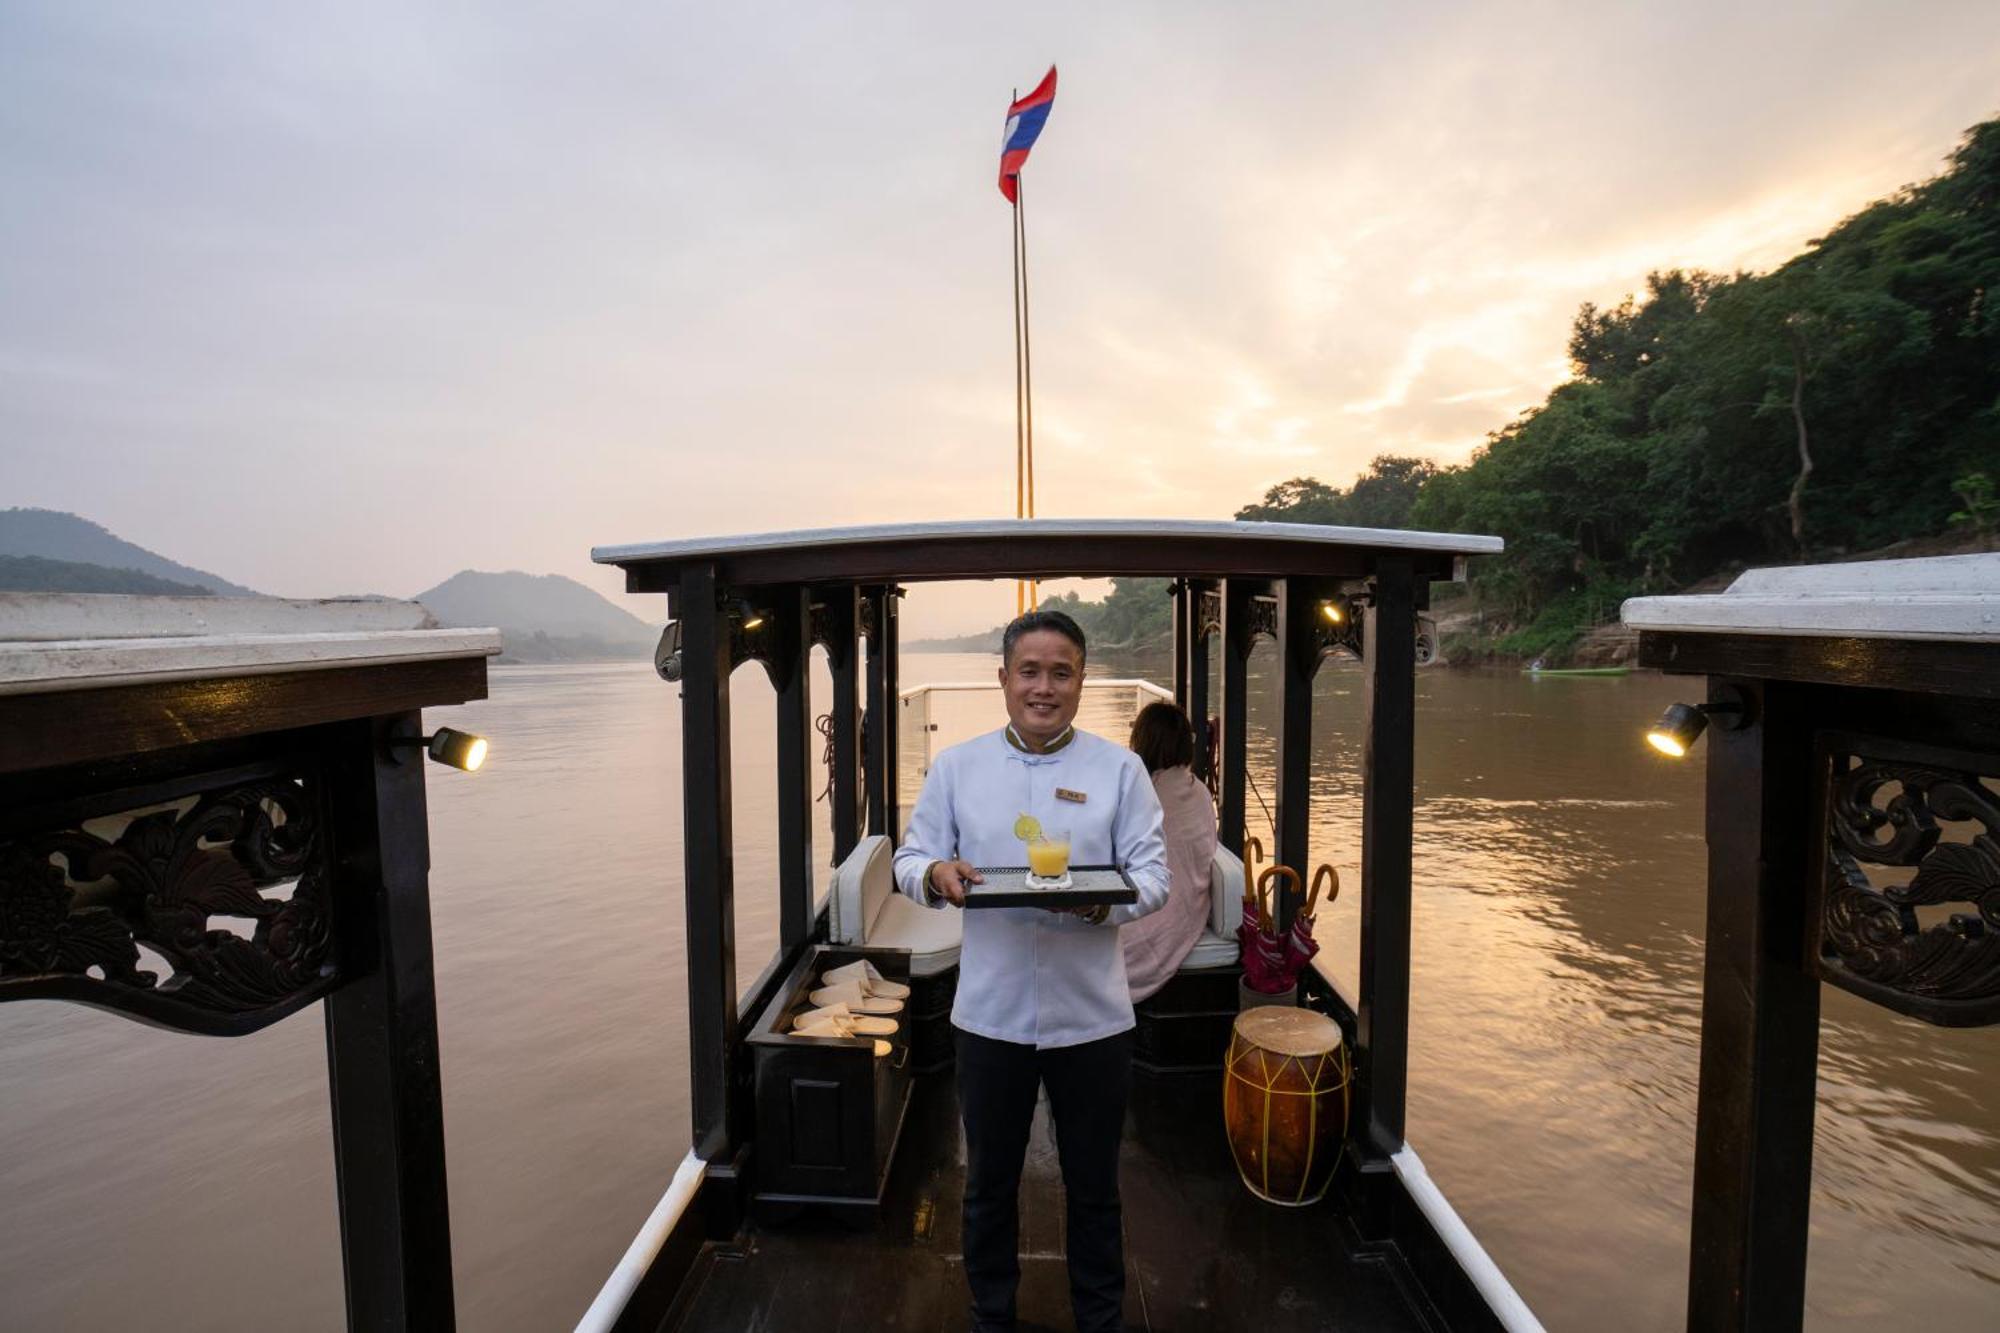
{"x":1155,"y":945}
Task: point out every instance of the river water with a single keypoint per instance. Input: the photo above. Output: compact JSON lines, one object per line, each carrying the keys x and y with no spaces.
{"x":150,"y":1179}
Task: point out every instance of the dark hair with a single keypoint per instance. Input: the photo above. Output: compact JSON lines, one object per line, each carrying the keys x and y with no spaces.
{"x":1162,"y":736}
{"x":1037,"y":620}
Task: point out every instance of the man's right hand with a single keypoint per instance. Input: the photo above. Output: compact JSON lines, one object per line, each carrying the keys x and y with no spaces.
{"x":949,"y":878}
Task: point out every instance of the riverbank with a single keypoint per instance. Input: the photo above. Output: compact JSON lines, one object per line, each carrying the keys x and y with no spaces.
{"x":1474,"y":632}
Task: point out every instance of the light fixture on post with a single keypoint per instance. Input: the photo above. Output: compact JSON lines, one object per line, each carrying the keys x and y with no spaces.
{"x":1336,"y":627}
{"x":749,"y":631}
{"x":456,"y":749}
{"x":1682,"y":724}
{"x":667,"y":654}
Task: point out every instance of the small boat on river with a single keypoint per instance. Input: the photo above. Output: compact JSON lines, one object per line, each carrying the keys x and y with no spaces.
{"x":1576,"y":671}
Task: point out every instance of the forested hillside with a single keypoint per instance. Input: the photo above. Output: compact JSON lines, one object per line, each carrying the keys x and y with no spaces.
{"x":1845,"y":401}
{"x":31,"y":573}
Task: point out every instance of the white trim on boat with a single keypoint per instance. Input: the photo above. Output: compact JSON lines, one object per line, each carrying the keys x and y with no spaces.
{"x":645,"y":1248}
{"x":1506,"y":1303}
{"x":1044,"y":529}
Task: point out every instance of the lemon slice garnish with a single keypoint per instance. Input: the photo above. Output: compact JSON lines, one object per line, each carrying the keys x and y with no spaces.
{"x":1026,"y":827}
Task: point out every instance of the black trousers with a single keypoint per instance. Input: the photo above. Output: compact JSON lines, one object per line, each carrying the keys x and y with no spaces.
{"x":1087,"y":1085}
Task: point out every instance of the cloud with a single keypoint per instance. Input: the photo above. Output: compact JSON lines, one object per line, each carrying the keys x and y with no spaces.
{"x":277,"y":279}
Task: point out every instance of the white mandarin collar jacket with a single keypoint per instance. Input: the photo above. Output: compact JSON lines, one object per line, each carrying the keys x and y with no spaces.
{"x":1028,"y":975}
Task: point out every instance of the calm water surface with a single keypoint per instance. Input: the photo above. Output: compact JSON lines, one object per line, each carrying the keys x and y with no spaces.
{"x":165,"y":1181}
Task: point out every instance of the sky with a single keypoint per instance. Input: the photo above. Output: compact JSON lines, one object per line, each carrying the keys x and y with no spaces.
{"x":345,"y":298}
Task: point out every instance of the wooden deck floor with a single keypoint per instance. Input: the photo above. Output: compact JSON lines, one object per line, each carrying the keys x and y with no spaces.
{"x":1201,"y":1253}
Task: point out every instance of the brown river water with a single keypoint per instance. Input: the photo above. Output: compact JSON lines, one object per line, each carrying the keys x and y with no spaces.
{"x":149,"y":1179}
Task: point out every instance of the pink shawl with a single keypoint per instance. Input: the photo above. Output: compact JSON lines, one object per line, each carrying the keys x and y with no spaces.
{"x":1156,"y":944}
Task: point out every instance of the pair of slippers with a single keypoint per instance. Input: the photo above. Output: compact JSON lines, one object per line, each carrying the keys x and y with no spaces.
{"x":851,"y":1001}
{"x":836,"y":1021}
{"x":861,"y":988}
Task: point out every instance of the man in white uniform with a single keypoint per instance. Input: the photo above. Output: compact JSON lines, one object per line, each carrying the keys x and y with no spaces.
{"x":1042,"y":999}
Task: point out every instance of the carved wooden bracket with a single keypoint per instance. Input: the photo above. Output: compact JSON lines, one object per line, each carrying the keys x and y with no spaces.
{"x":76,"y":904}
{"x":1888,"y":804}
{"x":1208,"y":613}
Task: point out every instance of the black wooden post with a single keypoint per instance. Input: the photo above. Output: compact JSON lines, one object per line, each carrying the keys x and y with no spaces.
{"x":843,"y":660}
{"x":882,"y":706}
{"x":381,"y":1037}
{"x":1759,"y":1025}
{"x":1297,"y":628}
{"x":710,"y":884}
{"x":791,"y":665}
{"x":1388,"y":765}
{"x":1181,"y":594}
{"x":892,"y":712}
{"x":1197,"y":674}
{"x":1236,"y":643}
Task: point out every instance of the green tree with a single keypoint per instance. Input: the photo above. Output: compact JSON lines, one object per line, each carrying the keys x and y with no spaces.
{"x":1381,"y":497}
{"x":1843,"y":401}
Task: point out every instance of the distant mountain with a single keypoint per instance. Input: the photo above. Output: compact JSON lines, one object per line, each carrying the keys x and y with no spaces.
{"x":541,"y":617}
{"x":31,"y":573}
{"x":51,"y":535}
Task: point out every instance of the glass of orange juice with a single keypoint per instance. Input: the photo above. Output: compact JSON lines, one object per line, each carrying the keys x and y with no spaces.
{"x":1048,"y":854}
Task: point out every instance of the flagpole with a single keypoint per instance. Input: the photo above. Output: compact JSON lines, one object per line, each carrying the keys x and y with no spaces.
{"x":1027,"y":363}
{"x":1014,"y":246}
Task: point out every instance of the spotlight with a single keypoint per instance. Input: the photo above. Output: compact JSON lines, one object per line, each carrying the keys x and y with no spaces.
{"x":1677,"y":730}
{"x":1682,"y":724}
{"x":747,"y":617}
{"x":458,"y":749}
{"x":667,"y":655}
{"x":1331,"y":613}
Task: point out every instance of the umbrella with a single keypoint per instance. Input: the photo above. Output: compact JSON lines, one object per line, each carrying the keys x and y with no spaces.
{"x":1300,"y":945}
{"x":1264,"y":962}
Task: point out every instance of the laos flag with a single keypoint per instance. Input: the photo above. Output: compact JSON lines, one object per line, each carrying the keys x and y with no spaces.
{"x":1024,"y":125}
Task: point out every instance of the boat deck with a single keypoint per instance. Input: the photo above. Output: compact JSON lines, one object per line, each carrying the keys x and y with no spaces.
{"x":1201,"y":1252}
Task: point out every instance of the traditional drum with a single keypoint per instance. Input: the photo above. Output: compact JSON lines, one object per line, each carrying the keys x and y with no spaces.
{"x":1285,"y":1098}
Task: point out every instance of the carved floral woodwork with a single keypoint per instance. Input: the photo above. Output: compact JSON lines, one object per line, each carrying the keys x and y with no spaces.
{"x":1890,"y":805}
{"x":75,"y":907}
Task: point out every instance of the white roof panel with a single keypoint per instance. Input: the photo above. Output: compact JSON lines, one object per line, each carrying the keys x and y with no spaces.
{"x":1954,"y":597}
{"x":51,"y":642}
{"x":1042,"y":529}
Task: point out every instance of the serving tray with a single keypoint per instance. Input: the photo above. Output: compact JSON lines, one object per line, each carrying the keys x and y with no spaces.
{"x":1007,"y":886}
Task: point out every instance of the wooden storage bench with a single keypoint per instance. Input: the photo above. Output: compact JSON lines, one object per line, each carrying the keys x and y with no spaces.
{"x":829,"y":1110}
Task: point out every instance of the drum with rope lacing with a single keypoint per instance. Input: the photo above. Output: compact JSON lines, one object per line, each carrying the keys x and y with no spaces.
{"x":1285,"y":1099}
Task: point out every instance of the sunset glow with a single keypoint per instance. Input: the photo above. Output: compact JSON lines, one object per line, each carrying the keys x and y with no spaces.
{"x":645,"y":279}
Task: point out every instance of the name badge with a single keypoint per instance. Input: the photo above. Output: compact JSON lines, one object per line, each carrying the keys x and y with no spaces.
{"x":1065,"y":794}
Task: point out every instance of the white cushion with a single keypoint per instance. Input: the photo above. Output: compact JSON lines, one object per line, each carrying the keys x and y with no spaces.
{"x":1218,"y":946}
{"x":867,"y":910}
{"x":1225,"y":893}
{"x":859,"y":884}
{"x":1211,"y":950}
{"x":931,"y":934}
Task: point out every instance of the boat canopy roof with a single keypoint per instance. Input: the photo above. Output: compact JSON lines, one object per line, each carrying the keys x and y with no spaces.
{"x":53,"y":642}
{"x":1041,"y":548}
{"x":1955,"y":597}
